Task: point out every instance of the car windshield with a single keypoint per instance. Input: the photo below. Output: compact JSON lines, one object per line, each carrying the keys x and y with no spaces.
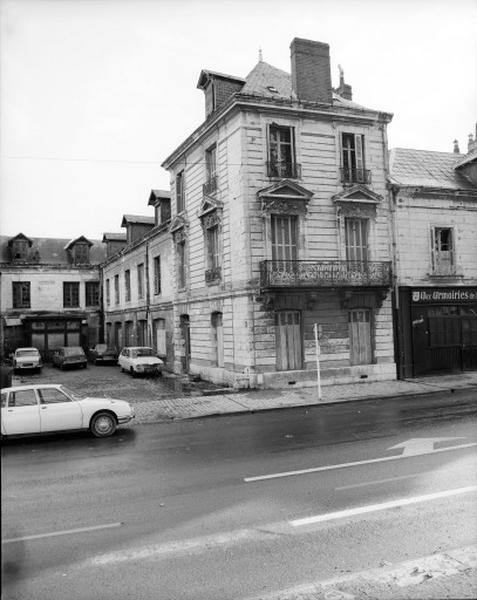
{"x":27,"y":352}
{"x":73,"y":350}
{"x":137,"y":352}
{"x":71,"y":393}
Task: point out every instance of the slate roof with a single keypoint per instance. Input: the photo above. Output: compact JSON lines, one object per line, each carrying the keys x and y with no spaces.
{"x":263,"y":76}
{"x":114,"y":237}
{"x":469,"y":157}
{"x":159,"y":195}
{"x":426,"y":168}
{"x":52,"y":250}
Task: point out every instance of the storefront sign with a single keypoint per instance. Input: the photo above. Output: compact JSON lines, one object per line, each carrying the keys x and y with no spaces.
{"x":444,"y":295}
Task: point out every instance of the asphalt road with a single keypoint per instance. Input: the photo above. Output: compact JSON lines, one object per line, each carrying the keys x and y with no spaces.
{"x":242,"y":507}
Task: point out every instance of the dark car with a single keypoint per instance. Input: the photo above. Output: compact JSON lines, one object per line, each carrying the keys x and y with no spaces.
{"x":102,"y":353}
{"x":69,"y":356}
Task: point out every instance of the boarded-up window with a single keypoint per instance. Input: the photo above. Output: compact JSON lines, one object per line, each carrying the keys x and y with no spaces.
{"x":360,"y":336}
{"x":92,"y":293}
{"x":21,"y":294}
{"x":157,"y":275}
{"x":217,"y":354}
{"x":140,"y":281}
{"x":70,"y":294}
{"x":288,"y":340}
{"x":160,"y":336}
{"x":127,"y":285}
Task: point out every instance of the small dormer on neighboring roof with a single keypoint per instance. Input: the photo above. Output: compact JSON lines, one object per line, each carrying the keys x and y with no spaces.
{"x":114,"y":242}
{"x":218,"y":88}
{"x":161,"y":200}
{"x":78,"y":250}
{"x":137,"y":226}
{"x":19,"y":247}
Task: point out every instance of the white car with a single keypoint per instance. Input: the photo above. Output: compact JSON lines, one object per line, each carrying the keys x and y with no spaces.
{"x":32,"y":409}
{"x":26,"y":359}
{"x":140,"y":360}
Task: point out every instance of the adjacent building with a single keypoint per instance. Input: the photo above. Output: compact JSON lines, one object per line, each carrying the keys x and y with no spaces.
{"x":280,"y":221}
{"x":50,"y":293}
{"x":435,"y":236}
{"x":138,"y":283}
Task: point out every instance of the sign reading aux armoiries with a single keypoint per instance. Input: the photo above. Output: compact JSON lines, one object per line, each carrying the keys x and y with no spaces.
{"x":443,"y":295}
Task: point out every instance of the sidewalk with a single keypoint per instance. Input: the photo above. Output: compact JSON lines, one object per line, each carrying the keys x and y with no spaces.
{"x":256,"y":400}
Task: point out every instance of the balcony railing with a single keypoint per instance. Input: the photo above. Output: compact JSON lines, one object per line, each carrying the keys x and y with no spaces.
{"x":329,"y":273}
{"x":213,"y":275}
{"x":289,"y":170}
{"x":210,"y":186}
{"x":355,"y":175}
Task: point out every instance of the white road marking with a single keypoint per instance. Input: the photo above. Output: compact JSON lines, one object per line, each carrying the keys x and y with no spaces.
{"x":378,"y":481}
{"x":360,"y":510}
{"x":417,"y":446}
{"x":404,"y":574}
{"x":63,"y":532}
{"x":353,"y":464}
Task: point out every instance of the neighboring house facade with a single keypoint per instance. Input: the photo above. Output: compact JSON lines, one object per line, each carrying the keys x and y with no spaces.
{"x":137,"y":283}
{"x":50,"y":293}
{"x":435,"y":233}
{"x":280,"y":221}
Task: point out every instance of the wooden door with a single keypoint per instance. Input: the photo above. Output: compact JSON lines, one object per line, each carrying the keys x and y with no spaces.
{"x":288,"y":340}
{"x":218,"y":339}
{"x":360,"y":337}
{"x":185,"y":332}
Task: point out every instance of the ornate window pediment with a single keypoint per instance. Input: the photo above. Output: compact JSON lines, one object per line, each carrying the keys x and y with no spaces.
{"x":178,"y":228}
{"x":285,"y":197}
{"x":210,"y":212}
{"x":358,"y":194}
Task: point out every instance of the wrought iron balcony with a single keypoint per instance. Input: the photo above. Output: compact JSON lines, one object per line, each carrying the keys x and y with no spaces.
{"x":213,"y":275}
{"x":355,"y":175}
{"x":279,"y":168}
{"x":324,"y":273}
{"x":210,"y":186}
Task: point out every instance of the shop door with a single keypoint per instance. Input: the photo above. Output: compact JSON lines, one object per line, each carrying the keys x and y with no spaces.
{"x":469,"y":338}
{"x":288,"y":340}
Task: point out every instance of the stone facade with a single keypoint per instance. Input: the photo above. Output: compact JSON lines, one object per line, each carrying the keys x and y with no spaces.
{"x":266,"y":248}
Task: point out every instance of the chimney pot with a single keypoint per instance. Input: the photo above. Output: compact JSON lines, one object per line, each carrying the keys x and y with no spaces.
{"x":456,"y":147}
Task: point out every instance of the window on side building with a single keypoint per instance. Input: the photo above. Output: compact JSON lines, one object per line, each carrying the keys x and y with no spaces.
{"x":442,"y":251}
{"x":71,"y":294}
{"x":116,"y":289}
{"x":21,"y":294}
{"x":108,"y":292}
{"x":140,"y":281}
{"x":127,"y":285}
{"x":157,"y":275}
{"x":92,"y":293}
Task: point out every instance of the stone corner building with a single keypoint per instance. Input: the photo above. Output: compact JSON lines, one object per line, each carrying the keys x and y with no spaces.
{"x":280,"y":219}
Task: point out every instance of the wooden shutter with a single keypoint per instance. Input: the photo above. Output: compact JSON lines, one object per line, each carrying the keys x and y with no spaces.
{"x":360,"y":337}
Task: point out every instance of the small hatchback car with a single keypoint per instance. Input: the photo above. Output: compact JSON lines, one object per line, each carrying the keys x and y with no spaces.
{"x":140,"y":360}
{"x":102,"y":353}
{"x":27,"y":359}
{"x":69,"y":356}
{"x":50,"y":408}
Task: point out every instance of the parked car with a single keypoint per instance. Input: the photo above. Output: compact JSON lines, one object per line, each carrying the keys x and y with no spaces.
{"x":27,"y":359}
{"x":49,"y":408}
{"x":69,"y":356}
{"x":102,"y":353}
{"x":140,"y":360}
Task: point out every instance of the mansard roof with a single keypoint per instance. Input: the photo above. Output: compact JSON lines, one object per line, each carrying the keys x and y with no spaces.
{"x":427,"y":168}
{"x":51,"y":251}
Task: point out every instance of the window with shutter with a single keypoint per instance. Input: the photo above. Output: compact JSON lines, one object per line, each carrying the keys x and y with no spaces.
{"x":442,"y":250}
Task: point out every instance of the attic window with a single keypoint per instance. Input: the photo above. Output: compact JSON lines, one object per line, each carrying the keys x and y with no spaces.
{"x":272,"y":89}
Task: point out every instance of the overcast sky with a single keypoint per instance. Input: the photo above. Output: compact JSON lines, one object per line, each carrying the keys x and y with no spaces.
{"x":95,"y":94}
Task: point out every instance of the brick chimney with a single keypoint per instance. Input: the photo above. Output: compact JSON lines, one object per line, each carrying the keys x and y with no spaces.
{"x":310,"y":70}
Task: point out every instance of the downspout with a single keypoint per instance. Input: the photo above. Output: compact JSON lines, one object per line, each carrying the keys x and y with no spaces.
{"x":148,"y":316}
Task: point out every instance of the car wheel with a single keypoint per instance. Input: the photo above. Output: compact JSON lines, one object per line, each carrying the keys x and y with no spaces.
{"x":85,"y":365}
{"x":132,"y":372}
{"x":103,"y":424}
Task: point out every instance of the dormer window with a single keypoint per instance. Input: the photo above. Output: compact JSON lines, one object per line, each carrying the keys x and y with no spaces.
{"x":81,"y":253}
{"x":20,"y":250}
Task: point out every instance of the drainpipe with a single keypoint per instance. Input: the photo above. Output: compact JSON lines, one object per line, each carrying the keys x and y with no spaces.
{"x":146,"y":283}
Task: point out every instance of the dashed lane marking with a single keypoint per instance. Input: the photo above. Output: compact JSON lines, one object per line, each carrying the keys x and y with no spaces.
{"x":63,"y":532}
